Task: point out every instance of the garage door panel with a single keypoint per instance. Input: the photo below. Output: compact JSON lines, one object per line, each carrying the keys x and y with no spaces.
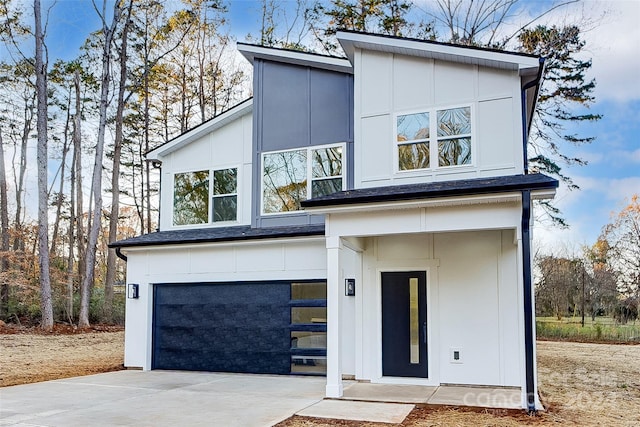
{"x":222,"y":327}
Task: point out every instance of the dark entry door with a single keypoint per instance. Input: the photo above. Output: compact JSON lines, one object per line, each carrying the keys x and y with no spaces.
{"x":404,"y":324}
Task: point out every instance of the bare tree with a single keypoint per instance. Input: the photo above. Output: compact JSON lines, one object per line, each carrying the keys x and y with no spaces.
{"x":108,"y":31}
{"x":4,"y":223}
{"x":46,"y":306}
{"x":115,"y":172}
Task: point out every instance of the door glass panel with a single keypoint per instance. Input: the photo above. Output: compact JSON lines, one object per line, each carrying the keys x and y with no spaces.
{"x":414,"y":321}
{"x":309,"y":364}
{"x":316,"y":290}
{"x":305,"y":339}
{"x":308,"y":315}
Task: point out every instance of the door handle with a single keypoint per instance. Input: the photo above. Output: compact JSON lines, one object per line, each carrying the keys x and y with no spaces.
{"x":424,"y":331}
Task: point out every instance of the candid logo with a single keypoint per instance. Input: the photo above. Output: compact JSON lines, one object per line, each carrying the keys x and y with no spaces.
{"x":493,"y":398}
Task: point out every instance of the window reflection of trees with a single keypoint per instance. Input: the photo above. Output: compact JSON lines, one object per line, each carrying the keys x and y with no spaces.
{"x":284,"y":181}
{"x":327,"y":171}
{"x":225,"y":199}
{"x":413,"y":128}
{"x":454,"y":136}
{"x":286,"y":178}
{"x":191,"y":198}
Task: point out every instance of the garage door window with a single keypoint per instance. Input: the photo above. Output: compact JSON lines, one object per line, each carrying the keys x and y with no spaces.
{"x":309,"y":328}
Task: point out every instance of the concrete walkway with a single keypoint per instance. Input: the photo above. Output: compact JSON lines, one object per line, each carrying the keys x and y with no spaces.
{"x":172,"y":398}
{"x":159,"y":398}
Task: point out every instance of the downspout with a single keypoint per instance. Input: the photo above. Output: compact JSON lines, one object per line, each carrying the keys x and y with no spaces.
{"x":528,"y":302}
{"x":529,"y":329}
{"x":120,"y":254}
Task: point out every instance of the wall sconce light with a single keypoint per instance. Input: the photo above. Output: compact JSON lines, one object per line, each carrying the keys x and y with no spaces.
{"x":132,"y":291}
{"x":350,"y":287}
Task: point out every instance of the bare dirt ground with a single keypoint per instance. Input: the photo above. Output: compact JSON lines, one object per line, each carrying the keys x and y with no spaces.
{"x":580,"y":384}
{"x":27,"y":356}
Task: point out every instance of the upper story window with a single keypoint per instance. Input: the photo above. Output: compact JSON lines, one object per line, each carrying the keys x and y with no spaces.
{"x":191,"y":198}
{"x":225,"y":195}
{"x":289,"y":177}
{"x":416,"y":142}
{"x":192,"y":192}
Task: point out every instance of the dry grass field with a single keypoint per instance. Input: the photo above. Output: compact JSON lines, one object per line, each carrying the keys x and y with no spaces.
{"x":27,"y":356}
{"x":580,"y":384}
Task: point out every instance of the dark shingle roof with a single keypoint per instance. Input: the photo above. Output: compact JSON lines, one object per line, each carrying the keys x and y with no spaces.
{"x":220,"y":234}
{"x":465,"y":187}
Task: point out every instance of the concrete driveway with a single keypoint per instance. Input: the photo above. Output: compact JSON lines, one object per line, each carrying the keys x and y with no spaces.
{"x":159,"y":398}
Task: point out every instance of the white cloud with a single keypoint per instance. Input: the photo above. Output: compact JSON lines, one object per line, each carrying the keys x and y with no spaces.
{"x":613,"y":45}
{"x":623,"y":188}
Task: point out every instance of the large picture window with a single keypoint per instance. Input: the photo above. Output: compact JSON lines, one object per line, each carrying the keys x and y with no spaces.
{"x":289,"y":177}
{"x":417,"y":144}
{"x":192,"y":192}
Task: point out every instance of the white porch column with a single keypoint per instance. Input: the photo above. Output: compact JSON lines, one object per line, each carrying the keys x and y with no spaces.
{"x":334,"y":297}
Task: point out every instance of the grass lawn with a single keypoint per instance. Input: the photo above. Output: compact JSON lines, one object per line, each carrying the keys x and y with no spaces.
{"x":602,"y":329}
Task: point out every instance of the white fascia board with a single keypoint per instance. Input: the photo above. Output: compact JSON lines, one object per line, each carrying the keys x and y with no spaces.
{"x":331,"y":63}
{"x":481,"y":199}
{"x":421,"y":203}
{"x":222,"y":244}
{"x":525,"y":64}
{"x":199,"y":131}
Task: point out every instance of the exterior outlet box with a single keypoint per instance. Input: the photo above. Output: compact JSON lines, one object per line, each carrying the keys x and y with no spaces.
{"x":455,"y":355}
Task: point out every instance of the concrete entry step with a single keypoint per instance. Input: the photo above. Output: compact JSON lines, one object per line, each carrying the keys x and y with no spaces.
{"x":388,"y":393}
{"x":393,"y":413}
{"x":487,"y":397}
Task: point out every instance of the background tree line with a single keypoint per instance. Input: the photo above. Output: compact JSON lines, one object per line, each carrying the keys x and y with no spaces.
{"x":154,"y":69}
{"x":601,"y":280}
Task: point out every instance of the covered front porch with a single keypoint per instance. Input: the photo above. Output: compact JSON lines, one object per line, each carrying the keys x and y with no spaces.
{"x":458,"y":263}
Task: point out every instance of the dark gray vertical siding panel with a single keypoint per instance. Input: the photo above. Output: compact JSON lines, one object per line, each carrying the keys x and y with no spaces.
{"x":351,"y":144}
{"x":329,"y":107}
{"x":298,"y":107}
{"x":285,"y":107}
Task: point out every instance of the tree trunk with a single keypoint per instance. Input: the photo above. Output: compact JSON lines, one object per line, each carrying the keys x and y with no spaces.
{"x":60,"y":198}
{"x":115,"y":174}
{"x":77,"y":165}
{"x":18,"y":242}
{"x":96,"y":182}
{"x":43,"y":220}
{"x":4,"y":221}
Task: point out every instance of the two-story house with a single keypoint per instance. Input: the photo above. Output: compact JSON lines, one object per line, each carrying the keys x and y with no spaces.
{"x":365,"y":217}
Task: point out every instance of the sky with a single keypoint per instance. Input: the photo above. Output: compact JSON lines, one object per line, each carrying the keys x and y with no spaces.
{"x":612,"y":34}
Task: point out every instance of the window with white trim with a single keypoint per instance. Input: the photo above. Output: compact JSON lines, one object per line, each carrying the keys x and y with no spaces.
{"x":191,"y":195}
{"x":419,"y":148}
{"x":191,"y":198}
{"x":289,"y":177}
{"x":225,"y":195}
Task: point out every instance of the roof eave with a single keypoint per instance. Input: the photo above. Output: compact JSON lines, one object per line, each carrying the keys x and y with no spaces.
{"x":524,"y":64}
{"x":217,"y":122}
{"x":304,"y":59}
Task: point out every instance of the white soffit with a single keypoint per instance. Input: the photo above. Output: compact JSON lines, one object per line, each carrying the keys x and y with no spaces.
{"x":199,"y":131}
{"x":304,"y":59}
{"x":525,"y":64}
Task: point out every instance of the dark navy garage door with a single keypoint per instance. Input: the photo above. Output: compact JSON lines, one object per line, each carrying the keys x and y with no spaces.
{"x":234,"y":327}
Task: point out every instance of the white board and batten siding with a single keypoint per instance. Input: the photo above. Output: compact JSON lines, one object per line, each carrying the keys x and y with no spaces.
{"x":389,"y":84}
{"x":229,"y":146}
{"x":473,"y":310}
